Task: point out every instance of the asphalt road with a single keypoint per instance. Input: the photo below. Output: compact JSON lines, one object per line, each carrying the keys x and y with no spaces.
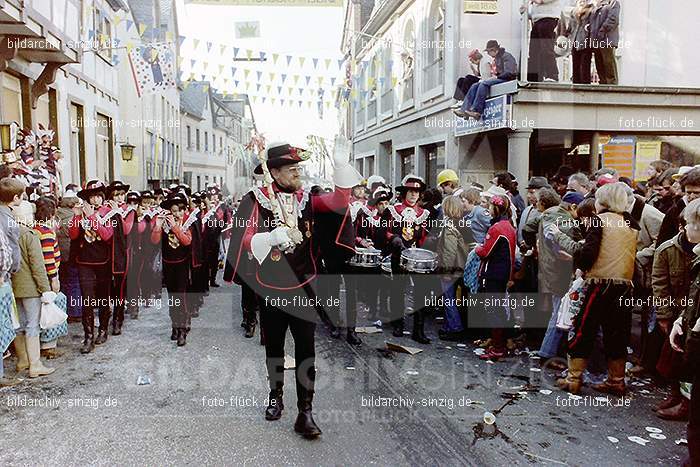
{"x":205,"y":401}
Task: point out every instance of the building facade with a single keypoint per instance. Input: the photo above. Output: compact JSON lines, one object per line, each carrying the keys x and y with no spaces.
{"x":408,"y":56}
{"x":56,"y":69}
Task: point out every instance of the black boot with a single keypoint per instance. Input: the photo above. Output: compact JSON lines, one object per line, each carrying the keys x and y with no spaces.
{"x":102,"y":336}
{"x":116,"y":328}
{"x":275,"y":406}
{"x":397,"y":328}
{"x":181,"y":337}
{"x":250,"y":330}
{"x":352,"y":337}
{"x":88,"y":319}
{"x":173,"y":336}
{"x":418,"y":334}
{"x":305,"y":424}
{"x":134,"y":313}
{"x":335,"y":332}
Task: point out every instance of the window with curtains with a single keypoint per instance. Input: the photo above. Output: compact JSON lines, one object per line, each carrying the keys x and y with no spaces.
{"x":434,"y":52}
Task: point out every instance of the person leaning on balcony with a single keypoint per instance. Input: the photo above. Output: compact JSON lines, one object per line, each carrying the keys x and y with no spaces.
{"x":542,"y":63}
{"x":605,"y":37}
{"x":579,"y":33}
{"x":506,"y":70}
{"x":479,"y":68}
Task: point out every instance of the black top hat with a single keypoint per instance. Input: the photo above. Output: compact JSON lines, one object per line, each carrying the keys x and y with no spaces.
{"x":492,"y":44}
{"x":281,"y":154}
{"x":186,"y":188}
{"x":92,"y":188}
{"x":196,"y":197}
{"x":537,"y":183}
{"x":147,"y":194}
{"x":381,"y":193}
{"x":173,"y":200}
{"x":411,"y":182}
{"x":116,"y":186}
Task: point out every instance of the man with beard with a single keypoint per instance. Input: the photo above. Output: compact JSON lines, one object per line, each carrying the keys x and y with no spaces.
{"x":275,"y":225}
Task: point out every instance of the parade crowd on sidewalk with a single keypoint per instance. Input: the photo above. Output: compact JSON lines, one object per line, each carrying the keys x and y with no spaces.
{"x":104,"y":251}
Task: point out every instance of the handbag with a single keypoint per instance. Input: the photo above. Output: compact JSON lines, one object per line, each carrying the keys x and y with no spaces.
{"x":570,"y":305}
{"x":51,"y":314}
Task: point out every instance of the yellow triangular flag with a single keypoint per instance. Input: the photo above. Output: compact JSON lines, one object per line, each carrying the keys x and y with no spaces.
{"x":204,"y":65}
{"x":296,"y":79}
{"x":247,"y":86}
{"x":129,"y":46}
{"x":308,"y":104}
{"x":290,"y":89}
{"x":169,"y":36}
{"x":394,"y":81}
{"x":327,"y":62}
{"x":249,"y":53}
{"x":142,"y":29}
{"x":275,"y":57}
{"x":221,"y":69}
{"x":268,"y":87}
{"x":246,"y":73}
{"x":195,"y":43}
{"x":301,"y":61}
{"x":320,"y":80}
{"x":222,"y":49}
{"x":328,"y":104}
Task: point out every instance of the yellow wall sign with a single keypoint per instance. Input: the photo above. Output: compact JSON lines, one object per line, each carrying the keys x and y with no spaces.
{"x":647,"y":151}
{"x":337,"y":3}
{"x":483,"y":6}
{"x":618,"y":154}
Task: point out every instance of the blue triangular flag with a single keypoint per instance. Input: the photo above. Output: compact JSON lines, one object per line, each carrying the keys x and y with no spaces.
{"x":301,"y":91}
{"x":259,"y":73}
{"x":279,"y":89}
{"x":308,"y":78}
{"x":340,"y":62}
{"x":289,"y":59}
{"x":284,"y":77}
{"x":192,"y":62}
{"x":129,"y":24}
{"x":258,"y":86}
{"x":264,"y":99}
{"x":180,"y":39}
{"x":333,"y":81}
{"x":262,"y":56}
{"x":233,"y":71}
{"x":315,"y":60}
{"x":209,"y":44}
{"x":235,"y":52}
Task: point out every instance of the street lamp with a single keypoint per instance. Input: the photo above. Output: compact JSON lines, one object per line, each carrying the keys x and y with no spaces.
{"x":127,"y":151}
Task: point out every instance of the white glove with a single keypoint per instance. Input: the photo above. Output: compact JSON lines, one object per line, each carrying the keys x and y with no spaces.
{"x":262,"y":243}
{"x":48,"y":297}
{"x":344,"y":175}
{"x":676,"y":330}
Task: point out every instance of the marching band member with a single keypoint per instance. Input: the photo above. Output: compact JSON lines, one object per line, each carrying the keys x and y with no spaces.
{"x":175,"y":242}
{"x":133,"y":248}
{"x":405,"y":228}
{"x":148,"y":280}
{"x":213,"y":222}
{"x":122,"y":222}
{"x":93,"y":229}
{"x":368,"y":227}
{"x":198,"y":275}
{"x":278,"y":231}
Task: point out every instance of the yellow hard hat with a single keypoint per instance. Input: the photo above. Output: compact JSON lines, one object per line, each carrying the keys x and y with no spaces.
{"x":447,"y":175}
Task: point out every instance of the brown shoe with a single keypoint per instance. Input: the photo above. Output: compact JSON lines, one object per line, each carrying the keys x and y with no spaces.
{"x":573,"y":381}
{"x":672,"y":400}
{"x":678,"y":412}
{"x":615,"y":382}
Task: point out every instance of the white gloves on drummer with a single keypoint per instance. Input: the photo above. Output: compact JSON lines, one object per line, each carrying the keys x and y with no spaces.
{"x":263,"y":242}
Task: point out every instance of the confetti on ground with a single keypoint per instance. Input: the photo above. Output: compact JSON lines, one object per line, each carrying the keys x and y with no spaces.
{"x":612,"y":439}
{"x":638,"y":440}
{"x":412,"y":373}
{"x":546,"y":392}
{"x":652,"y":429}
{"x":657,"y":436}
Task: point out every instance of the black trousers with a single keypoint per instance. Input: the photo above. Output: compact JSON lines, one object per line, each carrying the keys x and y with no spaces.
{"x":176,"y":281}
{"x":95,"y":284}
{"x":581,"y":64}
{"x":602,"y":307}
{"x":275,"y":321}
{"x":542,"y":61}
{"x":605,"y":65}
{"x":249,"y":304}
{"x":118,"y":295}
{"x":463,"y":85}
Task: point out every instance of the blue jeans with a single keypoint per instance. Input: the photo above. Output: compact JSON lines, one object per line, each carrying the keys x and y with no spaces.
{"x":476,"y":97}
{"x":29,"y":316}
{"x":554,"y":335}
{"x":453,"y":321}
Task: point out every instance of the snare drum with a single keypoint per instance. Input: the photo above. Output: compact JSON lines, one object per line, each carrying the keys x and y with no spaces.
{"x":386,"y":267}
{"x":366,"y":258}
{"x":418,"y":260}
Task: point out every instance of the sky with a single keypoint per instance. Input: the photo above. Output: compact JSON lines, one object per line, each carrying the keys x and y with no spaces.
{"x":297,"y":31}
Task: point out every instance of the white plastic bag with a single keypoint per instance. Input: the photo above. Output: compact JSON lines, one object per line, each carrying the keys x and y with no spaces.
{"x":570,"y":305}
{"x":51,"y":314}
